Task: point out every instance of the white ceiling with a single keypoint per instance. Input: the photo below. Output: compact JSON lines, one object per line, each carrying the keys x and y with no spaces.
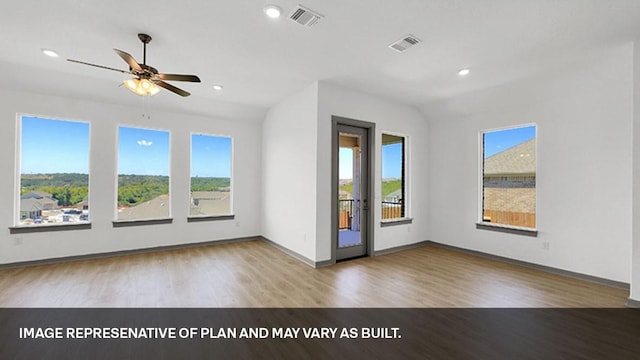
{"x":261,"y":61}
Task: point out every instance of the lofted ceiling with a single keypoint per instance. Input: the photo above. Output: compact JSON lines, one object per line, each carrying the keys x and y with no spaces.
{"x":260,"y":61}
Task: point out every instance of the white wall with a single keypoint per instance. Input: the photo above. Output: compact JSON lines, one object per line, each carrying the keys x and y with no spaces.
{"x":584,"y":115}
{"x":635,"y":262}
{"x":289,"y":139}
{"x":389,"y":117}
{"x":102,"y":237}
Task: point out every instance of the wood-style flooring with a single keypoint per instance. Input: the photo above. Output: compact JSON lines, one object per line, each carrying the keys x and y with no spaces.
{"x":256,"y":274}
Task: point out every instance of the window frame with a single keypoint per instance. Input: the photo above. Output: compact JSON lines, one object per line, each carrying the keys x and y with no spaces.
{"x":480,"y":223}
{"x":406,"y":183}
{"x":150,"y":221}
{"x":16,"y":227}
{"x":231,"y":214}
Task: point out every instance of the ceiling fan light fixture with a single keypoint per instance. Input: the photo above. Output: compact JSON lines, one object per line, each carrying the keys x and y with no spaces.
{"x":153,"y":90}
{"x":142,"y":87}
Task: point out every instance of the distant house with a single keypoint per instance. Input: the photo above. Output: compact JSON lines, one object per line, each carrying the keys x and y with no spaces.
{"x":84,"y":204}
{"x":509,"y":183}
{"x":46,"y":200}
{"x":30,"y":208}
{"x":210,"y":203}
{"x":394,"y":197}
{"x":37,"y":195}
{"x":156,"y":208}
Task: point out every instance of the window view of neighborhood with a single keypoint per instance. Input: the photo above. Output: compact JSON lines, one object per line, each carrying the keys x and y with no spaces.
{"x":210,"y":175}
{"x":393,"y":177}
{"x":54,"y":171}
{"x":509,"y":177}
{"x":143,"y":174}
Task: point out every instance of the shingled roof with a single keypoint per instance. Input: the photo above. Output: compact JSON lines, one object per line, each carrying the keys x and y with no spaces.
{"x":517,"y":160}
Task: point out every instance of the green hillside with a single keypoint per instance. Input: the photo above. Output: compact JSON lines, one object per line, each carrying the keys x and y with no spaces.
{"x":68,"y":189}
{"x":209,"y":183}
{"x":135,"y":189}
{"x":388,"y":186}
{"x":71,"y":189}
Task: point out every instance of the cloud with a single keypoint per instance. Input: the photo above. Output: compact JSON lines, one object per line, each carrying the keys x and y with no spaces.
{"x":145,"y":143}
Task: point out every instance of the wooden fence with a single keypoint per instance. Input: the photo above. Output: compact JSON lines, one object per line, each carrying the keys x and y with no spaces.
{"x":344,"y":220}
{"x":510,"y":218}
{"x":391,"y":212}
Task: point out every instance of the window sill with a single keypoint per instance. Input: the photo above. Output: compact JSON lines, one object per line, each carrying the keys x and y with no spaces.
{"x":518,"y":230}
{"x":127,"y":223}
{"x":47,"y":228}
{"x":210,"y":218}
{"x":394,"y":222}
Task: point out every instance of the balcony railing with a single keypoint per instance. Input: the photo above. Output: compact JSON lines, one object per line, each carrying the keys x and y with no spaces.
{"x":390,"y":210}
{"x":345,"y":211}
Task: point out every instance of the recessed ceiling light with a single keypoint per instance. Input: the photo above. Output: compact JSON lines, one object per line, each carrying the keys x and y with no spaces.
{"x":217,"y":87}
{"x":464,"y":72}
{"x":272,"y":11}
{"x":50,"y":53}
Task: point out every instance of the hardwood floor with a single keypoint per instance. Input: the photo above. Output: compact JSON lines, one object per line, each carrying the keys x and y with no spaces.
{"x":255,"y":274}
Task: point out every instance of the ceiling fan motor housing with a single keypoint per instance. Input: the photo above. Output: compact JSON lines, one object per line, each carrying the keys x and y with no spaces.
{"x":144,"y":38}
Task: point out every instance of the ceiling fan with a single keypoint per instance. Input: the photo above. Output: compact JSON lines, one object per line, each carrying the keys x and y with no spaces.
{"x":147,"y":77}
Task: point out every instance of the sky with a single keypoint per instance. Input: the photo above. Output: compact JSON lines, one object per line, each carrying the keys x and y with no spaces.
{"x":143,"y":151}
{"x":391,"y":162}
{"x":54,"y":146}
{"x":59,"y":146}
{"x":210,"y":156}
{"x":346,"y":163}
{"x":500,"y":140}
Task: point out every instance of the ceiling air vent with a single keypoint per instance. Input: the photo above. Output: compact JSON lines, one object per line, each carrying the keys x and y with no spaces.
{"x":405,"y":43}
{"x":304,"y":16}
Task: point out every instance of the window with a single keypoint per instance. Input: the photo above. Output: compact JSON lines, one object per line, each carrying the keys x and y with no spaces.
{"x":394,"y":187}
{"x":509,"y":177}
{"x":210,"y":175}
{"x":143,"y":174}
{"x":54,"y":172}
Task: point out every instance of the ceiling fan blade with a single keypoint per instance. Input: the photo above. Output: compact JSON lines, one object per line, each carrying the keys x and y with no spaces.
{"x":99,"y":66}
{"x":178,"y":77}
{"x":171,"y":88}
{"x":129,"y":59}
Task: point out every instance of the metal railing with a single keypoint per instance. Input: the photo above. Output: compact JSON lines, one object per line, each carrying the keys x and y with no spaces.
{"x":390,"y":210}
{"x":345,"y":213}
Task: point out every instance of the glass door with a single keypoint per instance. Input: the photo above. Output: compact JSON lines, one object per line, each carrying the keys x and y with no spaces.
{"x":352,"y":181}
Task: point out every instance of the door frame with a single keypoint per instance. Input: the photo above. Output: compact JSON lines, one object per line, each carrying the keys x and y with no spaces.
{"x":369,"y":178}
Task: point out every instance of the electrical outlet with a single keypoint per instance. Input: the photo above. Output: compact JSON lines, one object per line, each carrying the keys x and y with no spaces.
{"x":17,"y":241}
{"x":545,"y":245}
